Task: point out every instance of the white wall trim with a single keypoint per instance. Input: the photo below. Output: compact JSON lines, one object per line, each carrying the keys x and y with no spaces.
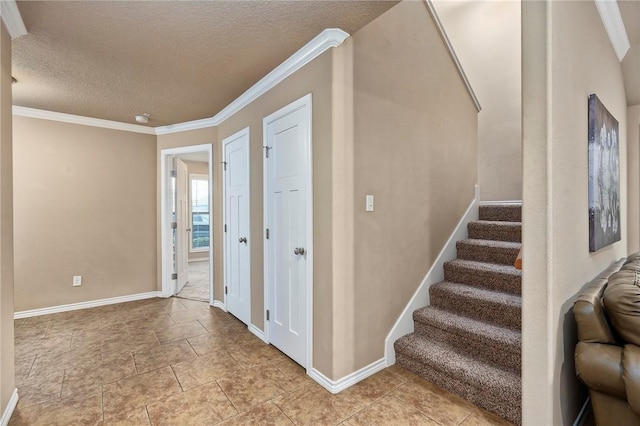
{"x":12,"y":18}
{"x":85,"y":305}
{"x":404,"y":324}
{"x":9,"y":409}
{"x":501,"y":203}
{"x":77,"y":119}
{"x":452,"y":52}
{"x":258,"y":333}
{"x":220,"y":305}
{"x":331,"y":37}
{"x":335,"y":386}
{"x":613,"y":24}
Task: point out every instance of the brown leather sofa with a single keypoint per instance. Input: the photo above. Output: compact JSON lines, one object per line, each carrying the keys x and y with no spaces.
{"x":607,"y":355}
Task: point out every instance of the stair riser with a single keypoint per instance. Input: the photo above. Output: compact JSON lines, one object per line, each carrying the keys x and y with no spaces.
{"x":481,"y":231}
{"x":501,"y":213}
{"x":500,"y":255}
{"x":506,"y":405}
{"x":487,"y":311}
{"x":492,"y":280}
{"x":497,"y":353}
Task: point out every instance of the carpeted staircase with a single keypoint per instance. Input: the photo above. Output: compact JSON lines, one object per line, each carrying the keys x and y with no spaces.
{"x":468,"y":340}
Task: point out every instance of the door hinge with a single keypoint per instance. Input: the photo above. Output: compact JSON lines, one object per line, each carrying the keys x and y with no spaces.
{"x":174,"y":225}
{"x":174,"y":173}
{"x":266,"y":150}
{"x":226,"y":290}
{"x":267,"y":315}
{"x":224,"y":165}
{"x":174,"y":276}
{"x":225,"y":228}
{"x":267,"y":233}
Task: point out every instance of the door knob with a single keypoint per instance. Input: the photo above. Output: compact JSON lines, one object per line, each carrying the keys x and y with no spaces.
{"x":298,"y":251}
{"x":243,"y":240}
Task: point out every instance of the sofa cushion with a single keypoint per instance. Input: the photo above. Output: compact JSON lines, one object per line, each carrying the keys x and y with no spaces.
{"x":622,"y":302}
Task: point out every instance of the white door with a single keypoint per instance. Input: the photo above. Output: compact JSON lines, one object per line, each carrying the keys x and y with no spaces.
{"x":237,"y":240}
{"x":182,"y":224}
{"x":288,"y":218}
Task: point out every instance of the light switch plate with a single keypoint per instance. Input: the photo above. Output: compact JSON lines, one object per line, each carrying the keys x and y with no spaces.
{"x":369,"y":203}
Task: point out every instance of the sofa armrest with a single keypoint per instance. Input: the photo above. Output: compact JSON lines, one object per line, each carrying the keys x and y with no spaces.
{"x":631,"y":375}
{"x":599,"y":366}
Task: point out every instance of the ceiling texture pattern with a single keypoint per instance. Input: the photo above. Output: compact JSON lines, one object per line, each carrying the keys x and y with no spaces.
{"x":179,"y":61}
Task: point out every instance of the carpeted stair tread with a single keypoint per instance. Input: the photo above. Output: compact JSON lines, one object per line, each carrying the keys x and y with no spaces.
{"x":486,"y":385}
{"x":501,"y":252}
{"x":497,"y":345}
{"x":495,"y":307}
{"x":495,"y":230}
{"x":488,"y":275}
{"x":511,"y":212}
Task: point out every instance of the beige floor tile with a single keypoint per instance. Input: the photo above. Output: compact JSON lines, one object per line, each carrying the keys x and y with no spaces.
{"x":163,"y":306}
{"x":216,"y":324}
{"x":40,"y":389}
{"x":251,"y":387}
{"x":180,"y":331}
{"x":436,"y":404}
{"x":137,"y":417}
{"x":294,"y":373}
{"x":206,"y":369}
{"x":149,"y":322}
{"x":209,"y":343}
{"x":402,"y":372}
{"x":312,"y":404}
{"x":86,"y":410}
{"x":138,"y":391}
{"x":263,"y":414}
{"x":256,"y":353}
{"x":23,"y":368}
{"x":43,"y":345}
{"x":201,"y":311}
{"x":389,"y":411}
{"x":376,"y":386}
{"x":163,"y":355}
{"x":84,"y":380}
{"x":48,"y":362}
{"x":133,"y":341}
{"x":204,"y":405}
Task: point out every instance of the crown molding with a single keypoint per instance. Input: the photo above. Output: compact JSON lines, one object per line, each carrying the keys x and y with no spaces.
{"x":452,"y":53}
{"x":331,"y":37}
{"x":12,"y":18}
{"x":613,"y":24}
{"x":77,"y":119}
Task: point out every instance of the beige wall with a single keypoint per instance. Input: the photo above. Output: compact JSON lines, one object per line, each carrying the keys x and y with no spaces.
{"x":567,"y":56}
{"x":183,"y":139}
{"x":7,"y":371}
{"x":84,"y":205}
{"x":314,"y":78}
{"x":199,"y":168}
{"x":486,"y":37}
{"x":415,"y":149}
{"x":633,"y":176}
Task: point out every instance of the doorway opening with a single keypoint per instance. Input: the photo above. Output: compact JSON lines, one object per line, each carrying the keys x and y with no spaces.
{"x":186,"y":222}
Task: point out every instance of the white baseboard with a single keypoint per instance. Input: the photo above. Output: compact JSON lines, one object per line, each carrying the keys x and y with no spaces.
{"x":220,"y":305}
{"x":257,"y":332}
{"x":501,"y":203}
{"x":582,"y":415}
{"x":335,"y":386}
{"x":404,"y":324}
{"x":85,"y":305}
{"x":11,"y":406}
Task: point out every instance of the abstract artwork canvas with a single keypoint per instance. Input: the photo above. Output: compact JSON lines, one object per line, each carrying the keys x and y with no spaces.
{"x":604,"y":177}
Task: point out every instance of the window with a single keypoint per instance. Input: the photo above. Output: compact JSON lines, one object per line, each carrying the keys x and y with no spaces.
{"x":199,"y":212}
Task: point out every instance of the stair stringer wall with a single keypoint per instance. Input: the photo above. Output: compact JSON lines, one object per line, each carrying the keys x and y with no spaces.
{"x":405,"y":324}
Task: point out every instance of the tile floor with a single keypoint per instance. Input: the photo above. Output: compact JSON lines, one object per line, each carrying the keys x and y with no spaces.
{"x":180,"y":362}
{"x":197,"y":288}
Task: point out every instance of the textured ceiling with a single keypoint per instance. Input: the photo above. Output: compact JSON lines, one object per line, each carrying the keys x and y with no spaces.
{"x":178,"y":60}
{"x":630,"y":11}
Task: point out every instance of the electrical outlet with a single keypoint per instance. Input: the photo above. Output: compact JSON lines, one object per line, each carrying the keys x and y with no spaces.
{"x":77,"y":280}
{"x":369,"y":203}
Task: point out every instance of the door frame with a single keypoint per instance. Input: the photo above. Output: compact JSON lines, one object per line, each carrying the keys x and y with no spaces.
{"x":225,"y":250}
{"x":166,"y":268}
{"x":303,"y":102}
